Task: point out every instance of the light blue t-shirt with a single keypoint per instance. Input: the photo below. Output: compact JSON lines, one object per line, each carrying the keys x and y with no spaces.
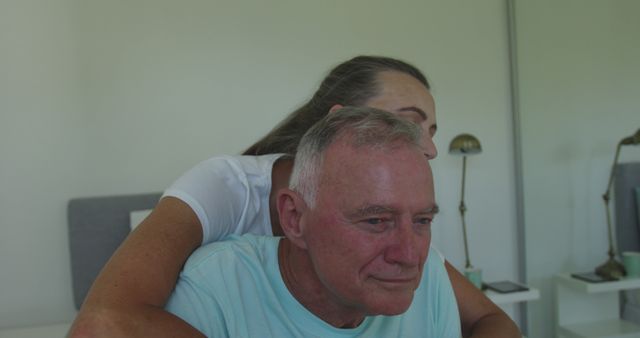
{"x":234,"y":289}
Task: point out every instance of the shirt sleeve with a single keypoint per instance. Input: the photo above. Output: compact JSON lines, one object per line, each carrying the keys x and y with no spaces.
{"x":193,"y":305}
{"x":217,"y":191}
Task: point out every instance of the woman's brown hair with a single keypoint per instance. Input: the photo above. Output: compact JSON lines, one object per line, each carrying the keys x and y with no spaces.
{"x":351,"y":83}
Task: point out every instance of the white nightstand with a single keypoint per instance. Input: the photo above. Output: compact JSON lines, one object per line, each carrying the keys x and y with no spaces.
{"x":586,"y":309}
{"x":512,"y":297}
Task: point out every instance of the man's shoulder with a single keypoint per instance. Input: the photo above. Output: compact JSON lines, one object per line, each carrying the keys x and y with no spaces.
{"x":435,"y":278}
{"x":435,"y":259}
{"x":231,"y":252}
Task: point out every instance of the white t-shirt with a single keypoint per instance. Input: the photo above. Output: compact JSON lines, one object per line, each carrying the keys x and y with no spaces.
{"x":229,"y":194}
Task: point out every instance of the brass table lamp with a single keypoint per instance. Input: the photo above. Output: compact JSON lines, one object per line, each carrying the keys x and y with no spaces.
{"x":466,"y":144}
{"x":613,"y":268}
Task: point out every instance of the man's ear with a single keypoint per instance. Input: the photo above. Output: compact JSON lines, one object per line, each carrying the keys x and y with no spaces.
{"x":334,"y":108}
{"x":291,"y":208}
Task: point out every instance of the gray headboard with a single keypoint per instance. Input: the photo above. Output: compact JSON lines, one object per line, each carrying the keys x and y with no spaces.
{"x":97,"y":226}
{"x":627,"y":227}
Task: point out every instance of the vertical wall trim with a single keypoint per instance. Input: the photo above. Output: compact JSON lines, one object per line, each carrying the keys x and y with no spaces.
{"x":517,"y":153}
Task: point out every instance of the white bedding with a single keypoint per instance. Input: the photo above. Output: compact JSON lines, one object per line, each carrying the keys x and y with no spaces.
{"x":52,"y":331}
{"x":135,"y":217}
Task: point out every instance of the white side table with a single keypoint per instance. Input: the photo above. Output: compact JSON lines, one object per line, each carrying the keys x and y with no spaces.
{"x":587,"y":310}
{"x":512,"y":297}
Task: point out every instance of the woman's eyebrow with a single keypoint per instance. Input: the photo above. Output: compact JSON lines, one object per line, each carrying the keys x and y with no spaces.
{"x":415,"y":110}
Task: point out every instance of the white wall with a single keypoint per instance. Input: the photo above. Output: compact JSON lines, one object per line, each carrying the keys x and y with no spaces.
{"x":43,"y":154}
{"x":123,"y":96}
{"x":579,"y":68}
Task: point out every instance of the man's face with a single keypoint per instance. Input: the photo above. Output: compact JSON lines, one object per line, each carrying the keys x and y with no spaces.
{"x":369,"y":232}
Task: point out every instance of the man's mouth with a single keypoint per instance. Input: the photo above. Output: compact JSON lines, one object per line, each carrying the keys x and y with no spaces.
{"x":396,"y":282}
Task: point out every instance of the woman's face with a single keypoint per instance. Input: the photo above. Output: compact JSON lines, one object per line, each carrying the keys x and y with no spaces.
{"x":403,"y":95}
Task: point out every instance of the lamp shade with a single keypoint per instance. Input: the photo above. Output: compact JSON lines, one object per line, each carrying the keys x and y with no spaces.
{"x":465,"y":144}
{"x":633,"y":139}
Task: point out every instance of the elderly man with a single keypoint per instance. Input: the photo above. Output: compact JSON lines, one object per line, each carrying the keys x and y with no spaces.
{"x":356,"y":260}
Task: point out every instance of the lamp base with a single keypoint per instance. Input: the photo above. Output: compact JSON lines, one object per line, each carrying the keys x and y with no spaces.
{"x":611,"y":269}
{"x":474,"y":275}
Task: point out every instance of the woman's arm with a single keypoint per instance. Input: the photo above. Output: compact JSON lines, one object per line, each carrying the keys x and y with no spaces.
{"x":128,"y":297}
{"x":479,"y":316}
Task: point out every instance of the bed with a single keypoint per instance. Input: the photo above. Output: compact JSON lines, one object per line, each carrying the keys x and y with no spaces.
{"x":97,"y":226}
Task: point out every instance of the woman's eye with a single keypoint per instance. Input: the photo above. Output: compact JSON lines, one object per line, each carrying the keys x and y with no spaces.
{"x":375,"y":221}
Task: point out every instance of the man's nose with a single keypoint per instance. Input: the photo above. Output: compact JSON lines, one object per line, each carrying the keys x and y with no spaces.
{"x":405,"y":246}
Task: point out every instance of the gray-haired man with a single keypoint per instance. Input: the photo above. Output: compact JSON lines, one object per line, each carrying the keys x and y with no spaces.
{"x":356,"y":259}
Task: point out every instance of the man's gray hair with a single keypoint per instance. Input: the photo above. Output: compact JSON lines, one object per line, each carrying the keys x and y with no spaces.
{"x":361,"y":127}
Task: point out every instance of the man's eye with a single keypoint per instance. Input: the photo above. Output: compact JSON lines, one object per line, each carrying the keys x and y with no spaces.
{"x":423,"y":222}
{"x":376,"y":224}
